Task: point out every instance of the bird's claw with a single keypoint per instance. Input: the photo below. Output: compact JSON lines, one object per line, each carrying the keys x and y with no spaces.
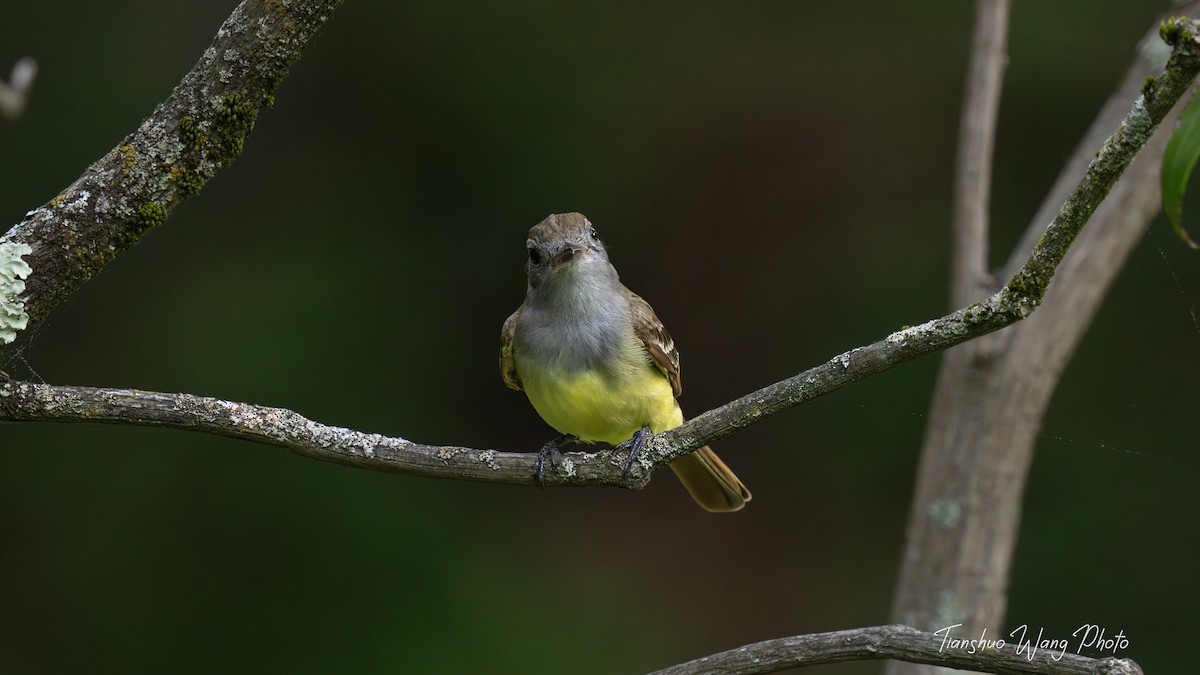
{"x":634,"y":446}
{"x":550,"y":451}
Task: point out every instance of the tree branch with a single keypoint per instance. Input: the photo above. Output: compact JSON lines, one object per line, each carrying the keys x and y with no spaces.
{"x":25,"y":401}
{"x":199,"y":130}
{"x":976,"y":141}
{"x":32,"y":402}
{"x":895,"y":642}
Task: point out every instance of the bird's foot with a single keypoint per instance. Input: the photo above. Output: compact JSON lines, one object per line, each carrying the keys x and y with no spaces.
{"x":550,"y":451}
{"x":634,"y":446}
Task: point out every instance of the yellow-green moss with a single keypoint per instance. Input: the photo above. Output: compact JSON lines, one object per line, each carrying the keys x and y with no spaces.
{"x":1148,"y":86}
{"x":147,"y":216}
{"x":190,"y":134}
{"x":1172,"y":30}
{"x":234,"y":122}
{"x":128,"y":158}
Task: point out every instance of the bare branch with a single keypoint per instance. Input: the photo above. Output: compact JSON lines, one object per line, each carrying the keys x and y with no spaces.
{"x":896,"y":642}
{"x":197,"y":131}
{"x":976,"y":141}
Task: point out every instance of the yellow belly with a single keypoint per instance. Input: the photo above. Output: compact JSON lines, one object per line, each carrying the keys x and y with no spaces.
{"x":599,"y":407}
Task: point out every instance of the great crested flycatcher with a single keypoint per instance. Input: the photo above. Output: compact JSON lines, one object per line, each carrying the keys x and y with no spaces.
{"x":595,"y":361}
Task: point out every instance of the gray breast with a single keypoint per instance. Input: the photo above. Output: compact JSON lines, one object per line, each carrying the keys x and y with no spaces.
{"x":572,"y":341}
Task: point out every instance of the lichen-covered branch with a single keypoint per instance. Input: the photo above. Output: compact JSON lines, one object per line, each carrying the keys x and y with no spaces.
{"x":181,"y":145}
{"x":904,"y":644}
{"x":1158,"y":96}
{"x":25,"y":401}
{"x":31,"y":402}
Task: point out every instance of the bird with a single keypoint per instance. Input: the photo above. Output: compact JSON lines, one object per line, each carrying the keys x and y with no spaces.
{"x":595,"y":360}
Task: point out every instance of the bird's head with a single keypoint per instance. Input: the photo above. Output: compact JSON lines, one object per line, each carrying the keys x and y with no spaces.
{"x":563,"y":246}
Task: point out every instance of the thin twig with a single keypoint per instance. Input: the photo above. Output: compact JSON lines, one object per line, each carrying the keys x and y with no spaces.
{"x":904,"y":644}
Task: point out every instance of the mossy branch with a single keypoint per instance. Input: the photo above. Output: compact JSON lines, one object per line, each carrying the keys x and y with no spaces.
{"x":197,"y":131}
{"x":21,"y":401}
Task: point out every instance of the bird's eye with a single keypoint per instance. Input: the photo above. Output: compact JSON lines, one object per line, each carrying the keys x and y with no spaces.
{"x":592,"y":233}
{"x":535,"y":256}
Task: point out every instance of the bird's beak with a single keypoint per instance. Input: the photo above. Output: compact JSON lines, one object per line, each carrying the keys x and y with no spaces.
{"x":565,"y":254}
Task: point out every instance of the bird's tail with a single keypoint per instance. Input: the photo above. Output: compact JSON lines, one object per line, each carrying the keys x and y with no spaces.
{"x":710,"y":482}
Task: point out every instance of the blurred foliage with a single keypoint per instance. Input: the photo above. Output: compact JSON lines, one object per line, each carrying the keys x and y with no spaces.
{"x":774,"y":177}
{"x":1179,"y":159}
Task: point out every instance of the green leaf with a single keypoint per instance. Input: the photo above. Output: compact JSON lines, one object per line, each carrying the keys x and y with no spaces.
{"x":1183,"y":150}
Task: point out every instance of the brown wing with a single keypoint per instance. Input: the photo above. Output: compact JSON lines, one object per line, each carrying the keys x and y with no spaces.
{"x":508,"y":364}
{"x":656,"y":338}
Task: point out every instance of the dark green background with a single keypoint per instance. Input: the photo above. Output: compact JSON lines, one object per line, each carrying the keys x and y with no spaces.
{"x":773,"y":177}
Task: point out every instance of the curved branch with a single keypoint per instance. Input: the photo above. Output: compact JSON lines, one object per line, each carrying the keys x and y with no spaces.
{"x":900,"y":643}
{"x":199,"y":130}
{"x":1023,"y":293}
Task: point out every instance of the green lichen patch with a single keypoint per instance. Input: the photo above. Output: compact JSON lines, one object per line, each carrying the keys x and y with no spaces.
{"x":13,"y":272}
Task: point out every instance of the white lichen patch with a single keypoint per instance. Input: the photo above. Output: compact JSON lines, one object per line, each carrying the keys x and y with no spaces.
{"x":568,"y":466}
{"x":919,"y":332}
{"x":488,"y":457}
{"x":13,"y":272}
{"x":79,"y":204}
{"x":370,"y":442}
